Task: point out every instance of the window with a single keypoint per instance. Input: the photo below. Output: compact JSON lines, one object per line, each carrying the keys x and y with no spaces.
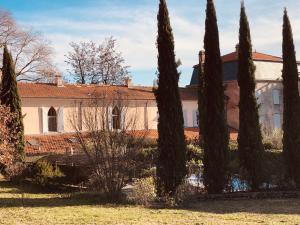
{"x":52,"y":120}
{"x":276,"y":97}
{"x":195,"y":118}
{"x":258,"y":96}
{"x":116,"y":118}
{"x":277,"y":121}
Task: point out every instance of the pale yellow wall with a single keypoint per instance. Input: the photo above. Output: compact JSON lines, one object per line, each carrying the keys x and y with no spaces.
{"x":144,"y":112}
{"x":31,"y":117}
{"x":269,"y":70}
{"x":31,"y":108}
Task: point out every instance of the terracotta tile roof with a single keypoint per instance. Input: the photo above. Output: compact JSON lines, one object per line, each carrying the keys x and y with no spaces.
{"x":59,"y":143}
{"x":74,"y":91}
{"x":256,"y":56}
{"x":48,"y":144}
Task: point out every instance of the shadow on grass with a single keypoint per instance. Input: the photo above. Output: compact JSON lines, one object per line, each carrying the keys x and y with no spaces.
{"x":265,"y":206}
{"x":24,"y":196}
{"x":29,"y":195}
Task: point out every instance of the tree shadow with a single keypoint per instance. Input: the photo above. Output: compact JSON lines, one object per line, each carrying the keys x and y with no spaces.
{"x":260,"y":206}
{"x":29,"y":195}
{"x":25,"y":196}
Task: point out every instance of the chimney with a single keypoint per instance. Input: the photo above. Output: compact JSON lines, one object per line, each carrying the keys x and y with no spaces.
{"x":201,"y":57}
{"x":128,"y":82}
{"x":59,"y":81}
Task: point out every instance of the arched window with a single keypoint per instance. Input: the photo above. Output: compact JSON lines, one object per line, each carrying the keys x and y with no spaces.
{"x":116,"y":118}
{"x":52,"y":120}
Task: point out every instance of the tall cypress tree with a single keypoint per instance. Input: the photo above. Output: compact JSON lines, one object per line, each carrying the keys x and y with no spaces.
{"x":250,"y":147}
{"x":10,"y":97}
{"x":201,"y":105}
{"x":291,"y":112}
{"x":215,"y":134}
{"x":171,"y":168}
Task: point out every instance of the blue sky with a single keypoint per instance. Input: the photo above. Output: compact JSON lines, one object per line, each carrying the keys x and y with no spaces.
{"x":133,"y":24}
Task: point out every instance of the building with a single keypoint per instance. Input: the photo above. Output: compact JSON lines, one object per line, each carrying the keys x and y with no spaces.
{"x":269,"y":89}
{"x":49,"y":109}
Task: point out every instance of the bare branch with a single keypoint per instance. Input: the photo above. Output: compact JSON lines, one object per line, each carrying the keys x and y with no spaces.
{"x":94,"y":64}
{"x":32,"y":54}
{"x":109,"y":138}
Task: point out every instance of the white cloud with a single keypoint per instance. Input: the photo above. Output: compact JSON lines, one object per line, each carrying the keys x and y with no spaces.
{"x":135,"y":29}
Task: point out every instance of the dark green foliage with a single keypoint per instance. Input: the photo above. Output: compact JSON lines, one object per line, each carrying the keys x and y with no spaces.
{"x":291,"y":112}
{"x":10,"y":97}
{"x":171,"y":168}
{"x":215,"y":132}
{"x":44,"y":172}
{"x":249,"y":138}
{"x":201,"y":108}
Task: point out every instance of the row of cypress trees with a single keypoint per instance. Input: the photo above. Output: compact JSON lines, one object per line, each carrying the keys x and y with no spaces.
{"x":171,"y":143}
{"x":9,"y":96}
{"x":250,"y":146}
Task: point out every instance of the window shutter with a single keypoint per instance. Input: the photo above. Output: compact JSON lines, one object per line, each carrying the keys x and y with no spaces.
{"x":185,"y":118}
{"x":122,"y":120}
{"x":44,"y":119}
{"x":195,"y":118}
{"x":60,"y":120}
{"x":109,"y":118}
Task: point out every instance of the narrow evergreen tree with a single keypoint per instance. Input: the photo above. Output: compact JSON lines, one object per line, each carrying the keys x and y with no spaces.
{"x":250,"y":147}
{"x":171,"y":168}
{"x":215,"y":133}
{"x":10,"y":97}
{"x":291,"y":112}
{"x":201,"y":105}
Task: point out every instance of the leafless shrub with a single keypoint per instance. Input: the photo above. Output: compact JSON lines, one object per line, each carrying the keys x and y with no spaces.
{"x":108,"y":136}
{"x":143,"y":192}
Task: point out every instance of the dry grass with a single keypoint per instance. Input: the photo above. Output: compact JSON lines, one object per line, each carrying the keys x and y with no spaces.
{"x":39,"y":209}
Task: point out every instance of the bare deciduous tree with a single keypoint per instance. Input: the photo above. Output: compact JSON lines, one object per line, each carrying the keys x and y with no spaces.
{"x":95,"y":64}
{"x":31,"y":52}
{"x":110,"y":140}
{"x":82,"y":60}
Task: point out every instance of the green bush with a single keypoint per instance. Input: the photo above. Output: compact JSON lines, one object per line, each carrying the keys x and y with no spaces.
{"x":45,"y":173}
{"x":194,"y":152}
{"x":150,"y":143}
{"x":268,"y":145}
{"x":274,"y":169}
{"x":233,"y":146}
{"x":148,"y":172}
{"x":273,"y":139}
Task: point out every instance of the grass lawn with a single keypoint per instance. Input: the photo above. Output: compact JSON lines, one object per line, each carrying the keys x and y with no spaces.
{"x":36,"y":208}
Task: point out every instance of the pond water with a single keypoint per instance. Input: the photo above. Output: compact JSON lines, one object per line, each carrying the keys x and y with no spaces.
{"x":236,"y":184}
